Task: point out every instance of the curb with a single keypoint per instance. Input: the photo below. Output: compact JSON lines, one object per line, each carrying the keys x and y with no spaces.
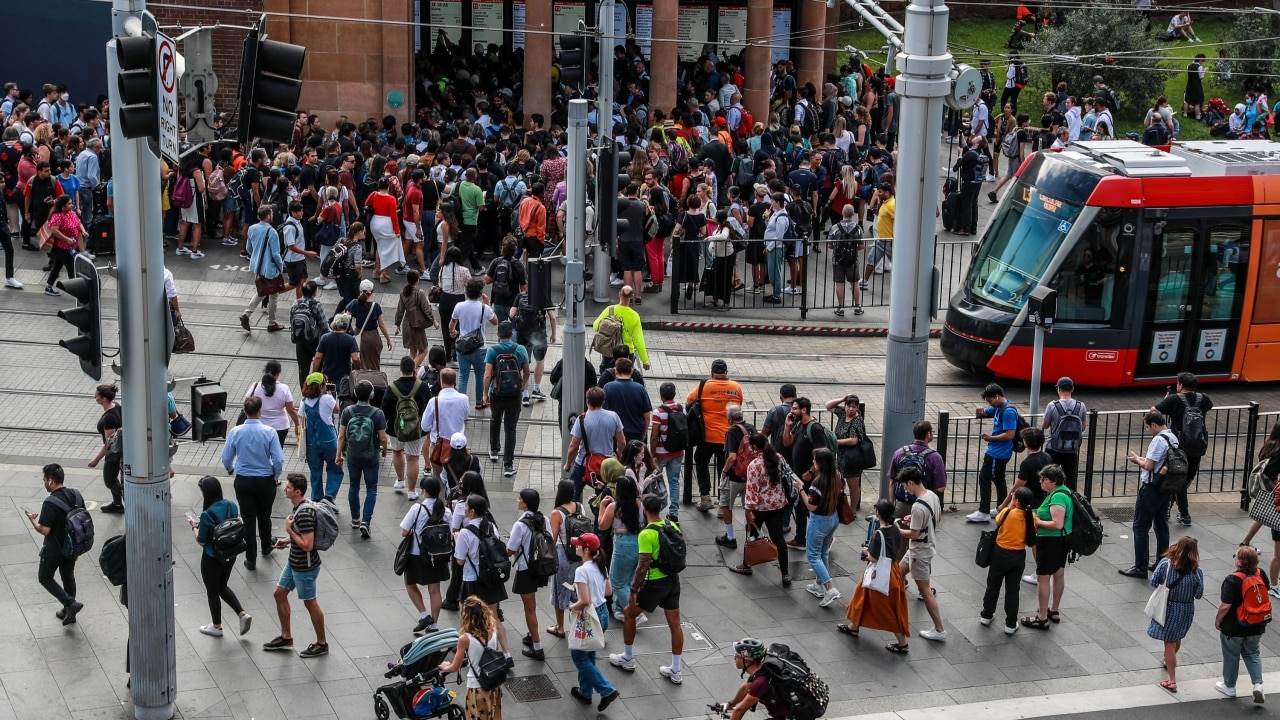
{"x":771,"y":329}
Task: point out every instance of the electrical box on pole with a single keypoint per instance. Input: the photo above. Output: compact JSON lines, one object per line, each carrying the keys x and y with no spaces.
{"x":198,"y":84}
{"x":270,"y":85}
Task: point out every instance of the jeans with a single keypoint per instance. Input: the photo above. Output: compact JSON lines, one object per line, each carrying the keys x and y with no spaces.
{"x":1151,"y":507}
{"x":622,"y":567}
{"x":505,"y":414}
{"x":775,"y":259}
{"x":319,"y":459}
{"x":216,"y":574}
{"x":590,"y":679}
{"x":672,"y":468}
{"x":468,"y":364}
{"x":1234,"y":648}
{"x":702,"y":456}
{"x":578,"y":473}
{"x":370,"y":473}
{"x":1006,"y":569}
{"x":817,"y":544}
{"x":255,"y":496}
{"x":991,"y":473}
{"x":66,"y":567}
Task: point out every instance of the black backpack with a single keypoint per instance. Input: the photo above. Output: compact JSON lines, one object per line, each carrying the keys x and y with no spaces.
{"x":800,"y":213}
{"x":494,"y":568}
{"x":1175,"y":469}
{"x":694,"y":421}
{"x":491,"y":669}
{"x":113,"y":560}
{"x":1086,"y":527}
{"x":541,"y":557}
{"x":671,"y":548}
{"x":77,"y":534}
{"x":1067,"y":429}
{"x":436,"y":539}
{"x":575,"y":524}
{"x":677,"y":429}
{"x":845,"y":250}
{"x":502,"y":278}
{"x":794,"y":683}
{"x":1019,"y":425}
{"x":529,"y":319}
{"x":228,"y":539}
{"x":304,"y":328}
{"x":1193,"y":438}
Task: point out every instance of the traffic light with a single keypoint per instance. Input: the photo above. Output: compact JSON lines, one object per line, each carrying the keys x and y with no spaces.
{"x":208,"y":403}
{"x":86,"y":316}
{"x":576,"y":52}
{"x":270,"y":84}
{"x":139,"y":116}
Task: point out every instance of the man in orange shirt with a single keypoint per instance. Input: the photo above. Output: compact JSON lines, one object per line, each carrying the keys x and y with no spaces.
{"x":532,"y":216}
{"x":715,"y":394}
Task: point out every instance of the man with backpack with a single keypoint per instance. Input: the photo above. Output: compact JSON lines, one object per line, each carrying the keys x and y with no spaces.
{"x":733,"y":475}
{"x":668,"y":440}
{"x":301,"y":571}
{"x":532,"y":553}
{"x":921,"y":528}
{"x":506,"y":370}
{"x":362,"y":443}
{"x":930,"y":463}
{"x":1244,"y":611}
{"x":1187,"y":410}
{"x":1152,"y":504}
{"x":252,"y":453}
{"x":403,"y":404}
{"x":748,"y":658}
{"x":621,"y":323}
{"x":846,"y":246}
{"x":307,"y":324}
{"x":52,"y":523}
{"x":1065,"y":422}
{"x":531,"y":324}
{"x":1004,"y":426}
{"x":656,"y":585}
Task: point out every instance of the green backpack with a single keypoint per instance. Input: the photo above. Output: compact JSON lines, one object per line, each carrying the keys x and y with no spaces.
{"x":362,"y":438}
{"x":407,"y":423}
{"x":828,"y":437}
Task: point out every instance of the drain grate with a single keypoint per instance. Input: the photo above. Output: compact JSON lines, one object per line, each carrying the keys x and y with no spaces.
{"x":1118,"y":514}
{"x":532,"y":688}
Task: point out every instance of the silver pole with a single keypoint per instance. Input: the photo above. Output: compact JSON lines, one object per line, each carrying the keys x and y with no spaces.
{"x":140,"y":258}
{"x":572,"y":379}
{"x":1037,"y":356}
{"x":923,"y":83}
{"x":605,"y":176}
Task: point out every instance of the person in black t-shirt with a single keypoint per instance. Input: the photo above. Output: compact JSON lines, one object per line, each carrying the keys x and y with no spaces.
{"x":51,"y":523}
{"x":1239,"y":640}
{"x":300,"y":571}
{"x":1174,"y":406}
{"x":109,"y":424}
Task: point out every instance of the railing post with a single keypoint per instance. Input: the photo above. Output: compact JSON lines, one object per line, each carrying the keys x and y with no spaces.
{"x":1088,"y":459}
{"x":1250,"y":442}
{"x":944,"y":427}
{"x":806,"y":287}
{"x":675,"y":276}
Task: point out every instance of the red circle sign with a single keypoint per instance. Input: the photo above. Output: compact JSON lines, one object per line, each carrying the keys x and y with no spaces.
{"x":167,"y":66}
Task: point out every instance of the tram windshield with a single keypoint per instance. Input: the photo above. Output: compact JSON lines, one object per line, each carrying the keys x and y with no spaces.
{"x":1028,"y":230}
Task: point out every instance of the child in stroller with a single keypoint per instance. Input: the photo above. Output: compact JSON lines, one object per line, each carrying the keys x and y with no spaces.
{"x":420,"y":693}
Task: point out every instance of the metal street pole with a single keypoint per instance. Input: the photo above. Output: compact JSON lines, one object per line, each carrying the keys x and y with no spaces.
{"x":606,"y":165}
{"x":572,"y":374}
{"x":924,"y":81}
{"x":140,"y":258}
{"x":1037,"y":358}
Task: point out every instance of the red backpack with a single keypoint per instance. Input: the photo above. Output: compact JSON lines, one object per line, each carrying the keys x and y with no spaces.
{"x":746,"y":121}
{"x":1255,"y":603}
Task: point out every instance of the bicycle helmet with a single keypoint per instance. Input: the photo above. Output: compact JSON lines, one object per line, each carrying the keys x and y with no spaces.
{"x":749,"y":648}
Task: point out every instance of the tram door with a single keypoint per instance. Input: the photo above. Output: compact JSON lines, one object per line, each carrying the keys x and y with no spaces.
{"x":1196,"y":275}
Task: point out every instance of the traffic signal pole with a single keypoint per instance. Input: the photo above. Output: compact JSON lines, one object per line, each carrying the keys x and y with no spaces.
{"x":606,"y":183}
{"x":140,"y":258}
{"x":573,"y":374}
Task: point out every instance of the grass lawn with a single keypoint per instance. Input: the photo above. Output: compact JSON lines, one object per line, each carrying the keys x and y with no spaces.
{"x":974,"y":39}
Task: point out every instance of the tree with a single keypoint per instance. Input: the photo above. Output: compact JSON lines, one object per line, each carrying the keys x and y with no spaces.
{"x":1254,"y":36}
{"x":1096,"y":41}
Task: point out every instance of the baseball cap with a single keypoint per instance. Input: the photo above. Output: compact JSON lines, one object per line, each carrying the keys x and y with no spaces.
{"x":587,"y":540}
{"x":721,"y":122}
{"x":719,"y":366}
{"x":366,"y":286}
{"x":315,"y":378}
{"x":1065,"y":383}
{"x":457,"y":441}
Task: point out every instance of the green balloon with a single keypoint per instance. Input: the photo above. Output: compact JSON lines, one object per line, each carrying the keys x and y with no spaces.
{"x":395,"y":98}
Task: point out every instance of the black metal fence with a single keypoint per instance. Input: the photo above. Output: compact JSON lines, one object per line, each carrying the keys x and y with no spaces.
{"x":815,"y":271}
{"x":1235,"y":434}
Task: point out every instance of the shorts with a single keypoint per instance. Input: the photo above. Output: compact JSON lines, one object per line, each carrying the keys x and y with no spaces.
{"x":1275,"y":536}
{"x":631,"y":256}
{"x":304,"y":581}
{"x":661,"y":593}
{"x":421,"y":571}
{"x":248,"y":215}
{"x":413,"y":448}
{"x":1051,"y":554}
{"x":920,"y":567}
{"x":537,"y":346}
{"x":880,"y":251}
{"x":532,"y":246}
{"x":411,"y":231}
{"x":527,"y":582}
{"x":798,"y":251}
{"x":841,"y":274}
{"x":295,"y":272}
{"x":1011,"y":166}
{"x":731,"y":490}
{"x":488,"y":595}
{"x":229,"y":203}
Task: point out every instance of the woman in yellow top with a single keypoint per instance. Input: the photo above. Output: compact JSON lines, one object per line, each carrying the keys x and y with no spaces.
{"x":1014,"y":532}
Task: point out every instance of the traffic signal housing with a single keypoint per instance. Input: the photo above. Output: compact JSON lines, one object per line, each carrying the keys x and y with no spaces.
{"x":138,"y":118}
{"x":270,"y":85}
{"x":208,"y":408}
{"x":86,"y":316}
{"x":575,"y":60}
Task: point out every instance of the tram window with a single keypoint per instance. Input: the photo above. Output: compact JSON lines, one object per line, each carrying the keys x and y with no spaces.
{"x":1175,"y":266}
{"x":1265,"y":307}
{"x":1086,"y":282}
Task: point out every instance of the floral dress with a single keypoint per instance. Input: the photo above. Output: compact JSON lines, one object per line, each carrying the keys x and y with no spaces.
{"x":1183,"y":594}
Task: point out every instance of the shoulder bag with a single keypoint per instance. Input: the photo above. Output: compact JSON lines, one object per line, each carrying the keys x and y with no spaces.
{"x":876,"y":576}
{"x":1158,"y":603}
{"x":267,"y":286}
{"x":987,"y":545}
{"x":440,"y":450}
{"x":760,"y":550}
{"x":183,"y":340}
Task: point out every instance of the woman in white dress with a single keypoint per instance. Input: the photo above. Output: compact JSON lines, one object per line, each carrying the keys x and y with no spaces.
{"x":385,"y":226}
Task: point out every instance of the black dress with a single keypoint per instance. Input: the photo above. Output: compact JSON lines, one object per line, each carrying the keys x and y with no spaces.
{"x":1195,"y":86}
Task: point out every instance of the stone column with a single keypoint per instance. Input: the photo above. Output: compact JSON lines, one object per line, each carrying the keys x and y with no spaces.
{"x":397,"y":59}
{"x":663,"y":56}
{"x":538,"y":54}
{"x":809,"y":63}
{"x":829,"y":64}
{"x":755,"y":92}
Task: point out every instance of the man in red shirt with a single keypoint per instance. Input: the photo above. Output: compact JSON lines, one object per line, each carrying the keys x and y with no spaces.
{"x":532,"y":216}
{"x":413,"y":216}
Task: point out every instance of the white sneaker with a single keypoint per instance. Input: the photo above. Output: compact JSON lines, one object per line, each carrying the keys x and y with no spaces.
{"x":12,"y":283}
{"x":197,"y":255}
{"x":211,"y":631}
{"x":620,"y":660}
{"x":1225,"y":689}
{"x":1009,"y":630}
{"x":1031,"y":579}
{"x":829,"y":597}
{"x":246,"y":622}
{"x":985,"y":620}
{"x":399,"y":485}
{"x":642,"y":619}
{"x":615,"y":281}
{"x":412,"y":496}
{"x":617,"y":615}
{"x":672,"y":675}
{"x":183,"y":251}
{"x":815,"y":590}
{"x":331,"y":285}
{"x":1258,"y":697}
{"x":991,"y":178}
{"x":934,"y":635}
{"x":978,"y":516}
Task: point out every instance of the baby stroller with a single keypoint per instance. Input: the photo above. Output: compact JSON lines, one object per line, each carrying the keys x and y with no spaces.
{"x":420,"y":693}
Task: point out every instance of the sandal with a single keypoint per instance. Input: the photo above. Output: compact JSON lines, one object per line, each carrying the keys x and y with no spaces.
{"x":556,"y":631}
{"x":741,"y":569}
{"x":847,"y":629}
{"x":1055,"y":617}
{"x":897,"y":649}
{"x":1169,"y":685}
{"x":1035,"y":622}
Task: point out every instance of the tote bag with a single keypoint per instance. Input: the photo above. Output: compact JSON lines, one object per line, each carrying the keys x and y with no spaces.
{"x":876,"y":576}
{"x":585,"y":633}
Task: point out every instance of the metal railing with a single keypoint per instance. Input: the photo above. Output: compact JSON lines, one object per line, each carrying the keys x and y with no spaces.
{"x":814,"y":269}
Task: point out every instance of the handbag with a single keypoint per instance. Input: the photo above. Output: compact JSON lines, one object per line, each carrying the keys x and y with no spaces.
{"x":585,"y":633}
{"x":1158,"y":603}
{"x":1264,"y":510}
{"x":987,"y":545}
{"x":469,"y":343}
{"x":179,"y":425}
{"x":759,"y":551}
{"x":876,"y":576}
{"x":242,"y":417}
{"x":406,"y":546}
{"x":844,"y":510}
{"x":440,"y":449}
{"x":183,"y":341}
{"x":861,"y":456}
{"x":267,"y":286}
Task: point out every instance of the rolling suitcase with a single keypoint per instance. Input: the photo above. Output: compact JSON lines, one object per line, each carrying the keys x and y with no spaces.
{"x":102,"y":236}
